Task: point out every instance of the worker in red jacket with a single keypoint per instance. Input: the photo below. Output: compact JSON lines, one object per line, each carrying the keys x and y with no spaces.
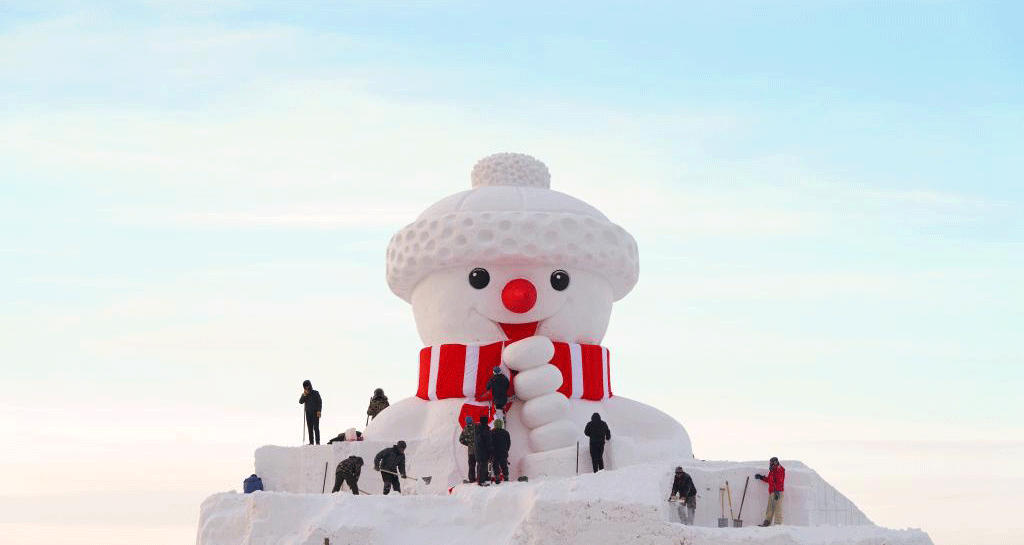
{"x":776,"y":484}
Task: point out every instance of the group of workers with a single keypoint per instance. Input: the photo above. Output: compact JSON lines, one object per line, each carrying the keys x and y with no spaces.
{"x":488,"y":449}
{"x":685,"y":492}
{"x":314,"y":404}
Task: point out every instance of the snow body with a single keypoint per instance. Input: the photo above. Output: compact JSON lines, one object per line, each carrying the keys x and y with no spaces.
{"x":520,"y":233}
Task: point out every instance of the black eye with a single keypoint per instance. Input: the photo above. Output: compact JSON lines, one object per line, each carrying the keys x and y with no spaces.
{"x":559,"y":280}
{"x":479,"y":278}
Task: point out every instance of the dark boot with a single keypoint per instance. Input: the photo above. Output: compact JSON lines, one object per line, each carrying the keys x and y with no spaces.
{"x":765,"y":523}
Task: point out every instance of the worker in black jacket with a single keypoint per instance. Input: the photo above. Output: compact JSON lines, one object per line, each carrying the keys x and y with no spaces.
{"x":391,"y":463}
{"x":482,"y":450}
{"x":348,"y":472}
{"x":498,"y":385}
{"x":598,"y":432}
{"x":311,"y":399}
{"x":684,"y":489}
{"x":501,"y":441}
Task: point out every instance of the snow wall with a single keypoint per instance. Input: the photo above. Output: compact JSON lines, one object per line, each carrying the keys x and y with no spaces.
{"x":809,"y":500}
{"x":617,"y":506}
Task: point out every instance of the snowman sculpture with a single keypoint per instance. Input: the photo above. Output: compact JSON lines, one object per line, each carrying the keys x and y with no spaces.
{"x":514,"y":275}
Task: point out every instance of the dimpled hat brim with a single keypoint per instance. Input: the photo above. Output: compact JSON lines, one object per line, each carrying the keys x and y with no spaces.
{"x":512,"y":222}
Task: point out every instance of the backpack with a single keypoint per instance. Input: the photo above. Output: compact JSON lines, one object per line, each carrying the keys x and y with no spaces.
{"x":252,"y":484}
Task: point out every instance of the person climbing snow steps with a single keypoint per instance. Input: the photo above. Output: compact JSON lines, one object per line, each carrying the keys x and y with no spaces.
{"x":498,"y":385}
{"x":776,"y":479}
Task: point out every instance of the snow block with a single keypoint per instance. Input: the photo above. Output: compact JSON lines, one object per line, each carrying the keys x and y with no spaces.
{"x":610,"y":507}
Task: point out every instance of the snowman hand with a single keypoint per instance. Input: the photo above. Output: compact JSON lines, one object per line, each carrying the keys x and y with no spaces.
{"x":528,"y":353}
{"x":530,"y":357}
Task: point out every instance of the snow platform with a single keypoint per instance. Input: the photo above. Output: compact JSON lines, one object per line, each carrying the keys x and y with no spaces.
{"x":625,"y":505}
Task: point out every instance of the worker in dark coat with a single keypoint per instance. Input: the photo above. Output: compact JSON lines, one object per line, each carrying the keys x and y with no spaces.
{"x":684,"y":489}
{"x":348,"y":472}
{"x":501,"y":441}
{"x":498,"y":385}
{"x":378,"y":403}
{"x":311,"y":399}
{"x":391,"y":464}
{"x":468,"y":438}
{"x":482,"y":448}
{"x":598,"y":432}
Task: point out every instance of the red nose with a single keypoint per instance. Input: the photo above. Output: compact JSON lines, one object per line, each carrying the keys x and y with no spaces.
{"x":519,"y":295}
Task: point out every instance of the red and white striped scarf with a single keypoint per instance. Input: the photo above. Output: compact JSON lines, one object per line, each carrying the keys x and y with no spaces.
{"x":462,"y":370}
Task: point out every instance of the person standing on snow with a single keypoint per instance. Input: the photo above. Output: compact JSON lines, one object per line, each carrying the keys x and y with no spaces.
{"x":683,"y":488}
{"x":501,"y":442}
{"x":498,"y":385}
{"x":482,"y":449}
{"x":391,"y":463}
{"x":311,"y":399}
{"x":468,"y":438}
{"x":378,"y":403}
{"x":348,"y":473}
{"x":598,"y":432}
{"x":776,"y":480}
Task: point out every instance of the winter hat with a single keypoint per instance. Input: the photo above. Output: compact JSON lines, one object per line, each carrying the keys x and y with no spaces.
{"x":469,"y":419}
{"x":400,"y":445}
{"x":378,"y":392}
{"x":497,"y":370}
{"x":511,"y":217}
{"x":679,"y":469}
{"x":498,"y":424}
{"x":307,"y":384}
{"x":595,"y":416}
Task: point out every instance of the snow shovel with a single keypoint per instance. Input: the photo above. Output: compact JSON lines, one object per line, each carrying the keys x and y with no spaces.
{"x":324,"y":487}
{"x":722,"y":521}
{"x":728,"y":492}
{"x":426,"y":480}
{"x":738,"y":521}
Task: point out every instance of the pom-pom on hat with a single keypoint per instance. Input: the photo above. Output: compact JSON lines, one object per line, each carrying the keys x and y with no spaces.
{"x":511,"y":217}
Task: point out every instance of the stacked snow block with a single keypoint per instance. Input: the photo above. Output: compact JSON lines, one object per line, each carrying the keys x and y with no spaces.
{"x":619,"y":506}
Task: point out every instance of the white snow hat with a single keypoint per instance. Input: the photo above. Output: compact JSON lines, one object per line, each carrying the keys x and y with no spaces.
{"x":511,"y":217}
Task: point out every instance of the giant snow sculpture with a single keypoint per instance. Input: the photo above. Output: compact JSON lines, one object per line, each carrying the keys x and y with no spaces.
{"x":512,"y":274}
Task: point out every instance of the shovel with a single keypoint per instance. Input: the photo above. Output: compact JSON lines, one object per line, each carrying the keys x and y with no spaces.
{"x":426,"y":480}
{"x":728,"y":491}
{"x":738,"y":521}
{"x":722,"y":521}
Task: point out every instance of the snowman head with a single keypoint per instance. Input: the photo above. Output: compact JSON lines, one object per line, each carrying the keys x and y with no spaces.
{"x":511,"y":258}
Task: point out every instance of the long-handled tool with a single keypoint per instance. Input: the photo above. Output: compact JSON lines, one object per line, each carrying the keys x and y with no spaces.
{"x":303,"y":426}
{"x":722,"y":521}
{"x":324,"y":487}
{"x":728,"y":492}
{"x":426,"y":480}
{"x":738,"y":521}
{"x":577,"y":457}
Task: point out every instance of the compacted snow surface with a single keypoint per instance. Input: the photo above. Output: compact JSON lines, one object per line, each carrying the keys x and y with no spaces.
{"x":618,"y":506}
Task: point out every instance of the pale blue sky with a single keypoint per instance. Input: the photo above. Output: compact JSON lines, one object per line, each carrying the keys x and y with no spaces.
{"x":196,"y":198}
